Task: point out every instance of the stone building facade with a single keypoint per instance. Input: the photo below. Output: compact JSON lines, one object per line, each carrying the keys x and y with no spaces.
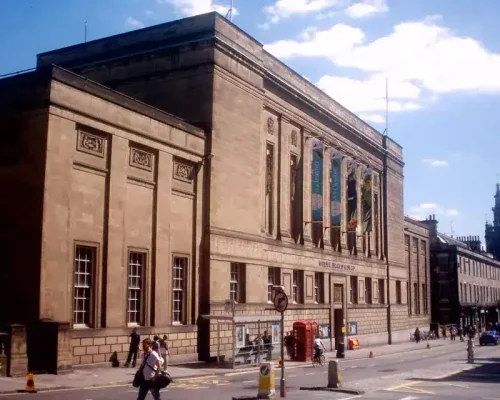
{"x":415,"y":292}
{"x":103,"y":219}
{"x":294,"y":190}
{"x":465,"y":280}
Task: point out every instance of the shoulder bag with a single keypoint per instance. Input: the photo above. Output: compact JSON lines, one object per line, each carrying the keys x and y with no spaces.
{"x":139,"y":375}
{"x":162,"y":380}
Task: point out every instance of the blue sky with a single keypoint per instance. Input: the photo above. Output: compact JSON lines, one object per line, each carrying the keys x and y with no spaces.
{"x":441,"y":58}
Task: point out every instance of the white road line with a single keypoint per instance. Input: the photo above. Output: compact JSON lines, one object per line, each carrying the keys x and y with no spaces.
{"x":371,"y":365}
{"x":248,"y":382}
{"x":354,"y":367}
{"x":310,"y":373}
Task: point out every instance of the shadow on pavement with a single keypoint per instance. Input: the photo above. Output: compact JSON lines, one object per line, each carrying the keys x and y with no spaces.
{"x":484,"y":370}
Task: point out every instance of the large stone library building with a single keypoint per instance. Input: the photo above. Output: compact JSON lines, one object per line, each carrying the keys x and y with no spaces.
{"x":159,"y":173}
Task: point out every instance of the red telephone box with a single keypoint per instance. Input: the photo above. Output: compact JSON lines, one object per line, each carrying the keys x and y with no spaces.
{"x":303,"y":335}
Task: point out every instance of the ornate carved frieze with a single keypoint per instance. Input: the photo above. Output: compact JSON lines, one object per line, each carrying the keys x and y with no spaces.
{"x":270,"y":125}
{"x":294,"y":137}
{"x":90,"y":143}
{"x":141,"y":159}
{"x":183,"y":170}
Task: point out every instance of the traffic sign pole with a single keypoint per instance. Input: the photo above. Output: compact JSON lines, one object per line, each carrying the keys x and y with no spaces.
{"x":282,"y":380}
{"x":280,"y":305}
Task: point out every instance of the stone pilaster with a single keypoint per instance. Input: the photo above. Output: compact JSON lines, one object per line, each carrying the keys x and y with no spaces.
{"x":373,"y":244}
{"x":163,"y":259}
{"x":327,"y":163}
{"x":344,"y":216}
{"x":116,"y":264}
{"x":18,"y":365}
{"x":64,"y":349}
{"x":359,"y":204}
{"x":306,"y":186}
{"x":284,"y":180}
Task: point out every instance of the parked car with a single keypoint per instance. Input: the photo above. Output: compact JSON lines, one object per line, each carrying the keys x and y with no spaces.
{"x":489,"y":337}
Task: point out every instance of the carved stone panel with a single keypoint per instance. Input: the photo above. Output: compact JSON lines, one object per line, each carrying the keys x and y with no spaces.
{"x":270,"y":125}
{"x":183,"y":170}
{"x":141,"y":159}
{"x":294,"y":138}
{"x":90,"y":144}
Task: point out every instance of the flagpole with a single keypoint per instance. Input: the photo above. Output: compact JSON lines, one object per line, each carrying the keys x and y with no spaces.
{"x":385,"y":215}
{"x":386,"y":105}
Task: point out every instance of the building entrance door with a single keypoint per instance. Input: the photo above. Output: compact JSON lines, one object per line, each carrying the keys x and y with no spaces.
{"x":338,"y":323}
{"x":337,"y":311}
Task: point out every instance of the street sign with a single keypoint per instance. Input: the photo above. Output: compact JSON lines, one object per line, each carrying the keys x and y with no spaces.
{"x":280,"y":302}
{"x":264,"y":370}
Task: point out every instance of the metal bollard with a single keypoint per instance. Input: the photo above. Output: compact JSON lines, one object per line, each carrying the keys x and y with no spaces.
{"x":470,"y":351}
{"x":333,"y":374}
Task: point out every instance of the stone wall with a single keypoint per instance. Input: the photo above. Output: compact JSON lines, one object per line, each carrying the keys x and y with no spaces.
{"x":98,"y":347}
{"x":417,"y":263}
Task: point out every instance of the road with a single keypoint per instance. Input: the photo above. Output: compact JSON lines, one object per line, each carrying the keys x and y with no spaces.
{"x":436,"y":373}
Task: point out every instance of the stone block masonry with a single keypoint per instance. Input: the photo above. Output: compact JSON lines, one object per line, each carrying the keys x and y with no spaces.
{"x":90,"y":350}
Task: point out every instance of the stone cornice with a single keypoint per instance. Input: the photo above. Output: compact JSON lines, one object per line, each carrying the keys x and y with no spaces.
{"x":336,"y":142}
{"x":229,"y":49}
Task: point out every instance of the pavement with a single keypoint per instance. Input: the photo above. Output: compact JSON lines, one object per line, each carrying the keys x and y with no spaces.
{"x":437,"y":373}
{"x":85,"y":377}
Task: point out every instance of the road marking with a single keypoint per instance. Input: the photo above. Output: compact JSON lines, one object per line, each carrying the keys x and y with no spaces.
{"x":354,"y":367}
{"x":408,"y":387}
{"x":371,"y":365}
{"x":402,"y":385}
{"x":248,"y":382}
{"x":310,"y":373}
{"x":453,"y":384}
{"x":452,"y":373}
{"x":292,"y":376}
{"x":350,"y":398}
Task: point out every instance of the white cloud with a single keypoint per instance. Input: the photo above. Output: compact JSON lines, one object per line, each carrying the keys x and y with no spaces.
{"x":423,"y":210}
{"x":369,"y":95}
{"x":435,"y":163}
{"x":367,"y":8}
{"x":421,"y":60}
{"x":451,"y":212}
{"x":282,"y":9}
{"x":375,"y":118}
{"x":134,"y":23}
{"x":149,"y":13}
{"x":194,"y":7}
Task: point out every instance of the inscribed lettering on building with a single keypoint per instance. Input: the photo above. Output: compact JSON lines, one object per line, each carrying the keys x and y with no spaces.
{"x":366,"y":199}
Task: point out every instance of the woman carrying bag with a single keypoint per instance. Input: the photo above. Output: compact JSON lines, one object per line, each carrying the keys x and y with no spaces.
{"x":147,"y":374}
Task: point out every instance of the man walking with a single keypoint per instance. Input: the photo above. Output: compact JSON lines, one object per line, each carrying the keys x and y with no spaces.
{"x":133,"y":350}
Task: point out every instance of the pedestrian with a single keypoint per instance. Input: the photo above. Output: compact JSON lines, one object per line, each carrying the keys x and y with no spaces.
{"x":164,"y":351}
{"x":461,"y":333}
{"x":268,"y":344}
{"x":133,"y":350}
{"x":452,"y":332}
{"x":443,"y":331}
{"x":151,"y":364}
{"x":156,"y":344}
{"x":417,"y":335}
